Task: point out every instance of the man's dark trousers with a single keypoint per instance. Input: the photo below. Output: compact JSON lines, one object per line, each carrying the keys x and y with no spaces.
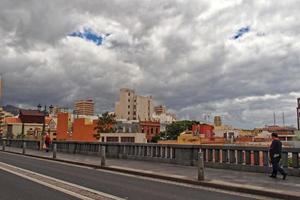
{"x":276,"y":167}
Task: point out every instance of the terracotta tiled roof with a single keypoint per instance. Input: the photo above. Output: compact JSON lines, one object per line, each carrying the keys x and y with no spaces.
{"x":12,"y":120}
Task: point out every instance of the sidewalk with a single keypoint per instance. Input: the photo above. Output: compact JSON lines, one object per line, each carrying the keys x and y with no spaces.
{"x":229,"y":178}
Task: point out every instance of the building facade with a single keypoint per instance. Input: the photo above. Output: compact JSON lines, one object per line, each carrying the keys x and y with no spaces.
{"x":29,"y":125}
{"x":151,"y":128}
{"x":124,"y":137}
{"x":133,"y":107}
{"x":84,"y":107}
{"x":163,"y":117}
{"x":71,"y":128}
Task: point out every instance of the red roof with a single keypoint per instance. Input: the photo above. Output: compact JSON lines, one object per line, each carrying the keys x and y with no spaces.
{"x":12,"y":120}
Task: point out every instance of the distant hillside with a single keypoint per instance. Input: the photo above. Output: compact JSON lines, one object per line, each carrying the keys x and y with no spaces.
{"x":12,"y":109}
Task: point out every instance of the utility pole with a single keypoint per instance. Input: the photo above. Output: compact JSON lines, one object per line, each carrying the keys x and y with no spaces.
{"x":274,"y":118}
{"x":283,"y":120}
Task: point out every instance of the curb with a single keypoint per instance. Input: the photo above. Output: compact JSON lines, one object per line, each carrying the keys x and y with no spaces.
{"x":204,"y":183}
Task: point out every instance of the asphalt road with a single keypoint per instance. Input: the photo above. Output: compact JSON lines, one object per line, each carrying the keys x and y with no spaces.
{"x":13,"y":187}
{"x":132,"y":188}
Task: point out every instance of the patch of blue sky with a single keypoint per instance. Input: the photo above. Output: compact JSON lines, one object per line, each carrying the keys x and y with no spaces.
{"x":241,"y":32}
{"x":89,"y":35}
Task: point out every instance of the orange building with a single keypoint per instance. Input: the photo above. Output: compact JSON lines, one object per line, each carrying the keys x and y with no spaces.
{"x":78,"y":129}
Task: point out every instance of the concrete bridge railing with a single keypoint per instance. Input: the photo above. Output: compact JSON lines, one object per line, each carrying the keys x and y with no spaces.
{"x":245,"y":158}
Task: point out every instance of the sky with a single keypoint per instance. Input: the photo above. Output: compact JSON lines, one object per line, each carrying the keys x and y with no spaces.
{"x":236,"y":58}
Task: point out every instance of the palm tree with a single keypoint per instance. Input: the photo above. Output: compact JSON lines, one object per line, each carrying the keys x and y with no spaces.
{"x":105,"y":124}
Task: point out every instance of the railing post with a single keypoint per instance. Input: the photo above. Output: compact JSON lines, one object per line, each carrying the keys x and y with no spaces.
{"x":256,"y":157}
{"x":103,"y":156}
{"x":240,"y":159}
{"x":54,"y":150}
{"x":232,"y":156}
{"x":210,"y":155}
{"x":295,"y":160}
{"x":24,"y":148}
{"x":3,"y":145}
{"x":284,"y":156}
{"x":224,"y":156}
{"x":248,"y":157}
{"x":200,"y":166}
{"x":217,"y":155}
{"x":266,"y":158}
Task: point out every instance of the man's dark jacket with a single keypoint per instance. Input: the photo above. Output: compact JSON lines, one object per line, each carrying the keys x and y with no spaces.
{"x":275,"y":149}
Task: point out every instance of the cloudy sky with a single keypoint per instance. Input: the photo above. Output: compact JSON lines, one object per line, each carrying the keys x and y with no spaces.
{"x":192,"y":55}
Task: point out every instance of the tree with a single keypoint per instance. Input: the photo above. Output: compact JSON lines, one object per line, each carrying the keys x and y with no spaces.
{"x":173,"y":130}
{"x":105,"y":124}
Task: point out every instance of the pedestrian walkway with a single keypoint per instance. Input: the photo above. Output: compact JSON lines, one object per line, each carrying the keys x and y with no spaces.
{"x":233,"y":178}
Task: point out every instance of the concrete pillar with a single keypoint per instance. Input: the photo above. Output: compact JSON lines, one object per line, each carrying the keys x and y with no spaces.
{"x":200,"y":166}
{"x":24,"y":148}
{"x":54,"y":150}
{"x":3,"y":145}
{"x":135,"y":150}
{"x":140,"y":151}
{"x":240,"y":159}
{"x":265,"y":158}
{"x":124,"y":150}
{"x":171,"y":152}
{"x":295,"y":160}
{"x":152,"y":152}
{"x":284,"y":156}
{"x":161,"y":151}
{"x":224,"y":156}
{"x":248,"y":157}
{"x":103,"y":156}
{"x":166,"y":152}
{"x":256,"y":157}
{"x":210,"y":155}
{"x":232,"y":156}
{"x":217,"y":155}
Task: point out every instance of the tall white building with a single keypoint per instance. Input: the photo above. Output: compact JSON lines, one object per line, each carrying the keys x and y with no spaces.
{"x":134,"y":107}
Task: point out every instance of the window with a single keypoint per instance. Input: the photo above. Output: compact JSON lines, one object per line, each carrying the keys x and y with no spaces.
{"x":128,"y":93}
{"x":127,"y":139}
{"x":128,"y":100}
{"x":112,"y":139}
{"x":128,"y":113}
{"x":128,"y":106}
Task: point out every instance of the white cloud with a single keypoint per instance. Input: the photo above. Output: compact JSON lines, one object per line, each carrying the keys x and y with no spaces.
{"x":179,"y":51}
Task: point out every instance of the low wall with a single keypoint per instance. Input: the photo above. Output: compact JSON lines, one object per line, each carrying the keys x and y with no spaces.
{"x":245,"y":158}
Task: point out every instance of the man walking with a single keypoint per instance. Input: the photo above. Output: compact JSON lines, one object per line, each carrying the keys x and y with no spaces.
{"x":275,"y":155}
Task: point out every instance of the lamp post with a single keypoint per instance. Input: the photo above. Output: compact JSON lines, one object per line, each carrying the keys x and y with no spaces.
{"x":44,"y":121}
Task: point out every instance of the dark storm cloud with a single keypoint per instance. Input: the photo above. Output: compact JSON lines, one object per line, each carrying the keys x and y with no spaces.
{"x":180,"y":52}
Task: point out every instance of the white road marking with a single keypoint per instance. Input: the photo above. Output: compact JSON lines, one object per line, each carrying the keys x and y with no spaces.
{"x":258,"y":197}
{"x":26,"y":174}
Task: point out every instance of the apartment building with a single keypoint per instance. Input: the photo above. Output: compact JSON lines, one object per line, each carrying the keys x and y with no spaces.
{"x":134,"y":107}
{"x":84,"y":107}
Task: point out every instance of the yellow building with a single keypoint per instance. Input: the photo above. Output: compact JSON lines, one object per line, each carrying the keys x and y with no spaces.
{"x":187,"y":137}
